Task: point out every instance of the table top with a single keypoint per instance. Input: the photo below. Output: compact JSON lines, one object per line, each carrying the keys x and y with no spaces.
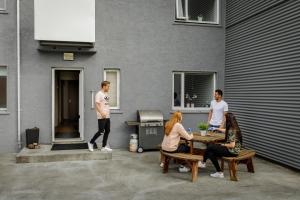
{"x":209,"y":138}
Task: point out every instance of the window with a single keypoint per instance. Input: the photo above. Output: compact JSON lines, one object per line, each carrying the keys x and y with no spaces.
{"x":198,"y":11}
{"x":193,"y":90}
{"x":113,"y":76}
{"x":3,"y":88}
{"x":2,"y":5}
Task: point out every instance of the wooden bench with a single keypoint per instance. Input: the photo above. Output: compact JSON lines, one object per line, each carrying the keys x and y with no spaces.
{"x":245,"y":157}
{"x":191,"y":160}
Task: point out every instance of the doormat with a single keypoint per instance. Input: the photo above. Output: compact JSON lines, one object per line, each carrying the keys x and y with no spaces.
{"x":69,"y":146}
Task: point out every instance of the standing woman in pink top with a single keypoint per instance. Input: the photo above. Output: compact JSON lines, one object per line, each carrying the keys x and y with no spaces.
{"x":173,"y":132}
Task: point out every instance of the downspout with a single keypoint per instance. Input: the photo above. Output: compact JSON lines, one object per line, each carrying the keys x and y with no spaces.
{"x":18,"y":75}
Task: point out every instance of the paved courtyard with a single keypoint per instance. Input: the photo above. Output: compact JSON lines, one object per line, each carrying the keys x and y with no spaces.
{"x":137,"y":177}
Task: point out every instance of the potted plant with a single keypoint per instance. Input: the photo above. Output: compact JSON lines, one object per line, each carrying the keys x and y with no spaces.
{"x":203,"y":128}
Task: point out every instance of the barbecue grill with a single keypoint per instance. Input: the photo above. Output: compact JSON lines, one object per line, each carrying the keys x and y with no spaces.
{"x":150,"y":129}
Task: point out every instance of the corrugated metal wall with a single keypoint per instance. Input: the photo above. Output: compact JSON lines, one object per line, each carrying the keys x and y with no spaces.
{"x":262,"y":75}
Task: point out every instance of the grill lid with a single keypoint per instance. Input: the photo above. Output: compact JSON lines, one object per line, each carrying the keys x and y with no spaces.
{"x":145,"y":116}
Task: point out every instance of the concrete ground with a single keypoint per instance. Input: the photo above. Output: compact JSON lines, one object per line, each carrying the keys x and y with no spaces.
{"x":138,"y":176}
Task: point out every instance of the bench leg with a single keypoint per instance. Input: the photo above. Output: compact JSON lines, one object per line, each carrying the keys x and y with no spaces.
{"x":232,"y":170}
{"x":194,"y":171}
{"x":162,"y":158}
{"x":166,"y":164}
{"x":250,"y":166}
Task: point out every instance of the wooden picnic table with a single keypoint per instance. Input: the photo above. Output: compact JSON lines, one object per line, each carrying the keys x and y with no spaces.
{"x":209,"y":138}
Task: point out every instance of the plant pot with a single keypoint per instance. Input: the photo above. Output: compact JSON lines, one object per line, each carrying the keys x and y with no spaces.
{"x":203,"y":132}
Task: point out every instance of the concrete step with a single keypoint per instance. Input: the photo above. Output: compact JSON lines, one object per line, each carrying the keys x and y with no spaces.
{"x":44,"y":154}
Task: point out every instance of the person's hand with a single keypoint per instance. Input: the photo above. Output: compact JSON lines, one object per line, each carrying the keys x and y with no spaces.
{"x":103,"y":115}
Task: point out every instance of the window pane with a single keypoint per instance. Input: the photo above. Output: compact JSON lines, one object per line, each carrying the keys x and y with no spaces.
{"x":3,"y":92}
{"x":198,"y":89}
{"x":2,"y":4}
{"x":112,"y":77}
{"x":180,"y":9}
{"x":3,"y":71}
{"x":177,"y":90}
{"x":204,"y":10}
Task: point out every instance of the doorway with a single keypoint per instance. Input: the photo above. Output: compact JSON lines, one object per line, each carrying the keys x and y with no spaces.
{"x":67,"y":104}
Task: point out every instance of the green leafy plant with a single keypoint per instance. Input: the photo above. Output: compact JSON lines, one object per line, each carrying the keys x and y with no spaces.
{"x":202,"y":126}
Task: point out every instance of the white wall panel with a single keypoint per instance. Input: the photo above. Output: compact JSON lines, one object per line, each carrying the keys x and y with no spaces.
{"x":64,"y":20}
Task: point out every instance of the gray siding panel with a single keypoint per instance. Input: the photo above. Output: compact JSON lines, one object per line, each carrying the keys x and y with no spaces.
{"x":262,"y":76}
{"x":238,"y":10}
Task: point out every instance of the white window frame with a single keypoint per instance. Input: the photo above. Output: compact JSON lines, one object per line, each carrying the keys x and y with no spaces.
{"x":5,"y":109}
{"x":118,"y":85}
{"x":186,"y":19}
{"x":182,"y":108}
{"x":4,"y":8}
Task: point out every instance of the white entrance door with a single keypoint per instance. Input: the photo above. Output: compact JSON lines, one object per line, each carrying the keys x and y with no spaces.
{"x":67,"y":104}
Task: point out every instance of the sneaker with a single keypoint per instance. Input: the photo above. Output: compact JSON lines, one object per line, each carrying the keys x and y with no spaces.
{"x":161,"y":164}
{"x":184,"y":169}
{"x":106,"y":148}
{"x":217,"y":175}
{"x":201,"y":164}
{"x":90,"y":146}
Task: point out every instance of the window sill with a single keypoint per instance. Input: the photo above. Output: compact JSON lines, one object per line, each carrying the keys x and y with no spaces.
{"x":3,"y":12}
{"x":204,"y":111}
{"x":116,"y":111}
{"x":191,"y":23}
{"x":4,"y":112}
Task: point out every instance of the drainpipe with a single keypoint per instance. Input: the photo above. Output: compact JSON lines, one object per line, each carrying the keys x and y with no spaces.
{"x":18,"y":74}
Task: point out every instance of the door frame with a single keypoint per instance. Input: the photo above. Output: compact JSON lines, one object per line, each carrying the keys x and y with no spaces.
{"x":81,"y":103}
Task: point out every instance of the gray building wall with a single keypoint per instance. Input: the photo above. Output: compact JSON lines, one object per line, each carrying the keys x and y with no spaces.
{"x":8,"y":55}
{"x":140,"y":38}
{"x":262,"y":79}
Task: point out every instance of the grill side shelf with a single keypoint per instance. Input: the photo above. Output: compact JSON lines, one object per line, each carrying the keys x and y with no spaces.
{"x":132,"y":123}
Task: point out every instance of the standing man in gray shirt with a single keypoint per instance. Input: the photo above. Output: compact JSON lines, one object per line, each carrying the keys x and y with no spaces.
{"x":103,"y":115}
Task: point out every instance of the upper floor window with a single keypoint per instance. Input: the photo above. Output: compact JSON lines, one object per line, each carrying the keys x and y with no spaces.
{"x":198,"y":11}
{"x":193,"y":90}
{"x":3,"y":88}
{"x":2,"y":5}
{"x":113,"y":76}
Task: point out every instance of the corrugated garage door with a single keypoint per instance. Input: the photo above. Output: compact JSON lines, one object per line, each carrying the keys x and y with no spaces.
{"x":262,"y":76}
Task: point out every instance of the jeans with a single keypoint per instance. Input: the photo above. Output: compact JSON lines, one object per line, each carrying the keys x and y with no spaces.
{"x":182,"y":148}
{"x":214,"y":151}
{"x":215,"y":126}
{"x":103,"y":127}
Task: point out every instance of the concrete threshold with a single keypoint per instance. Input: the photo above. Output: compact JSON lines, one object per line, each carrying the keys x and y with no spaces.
{"x":44,"y":154}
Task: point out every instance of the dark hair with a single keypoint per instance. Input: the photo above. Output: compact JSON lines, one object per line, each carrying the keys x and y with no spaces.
{"x":104,"y":83}
{"x":232,"y":124}
{"x":175,"y":95}
{"x":220,"y":92}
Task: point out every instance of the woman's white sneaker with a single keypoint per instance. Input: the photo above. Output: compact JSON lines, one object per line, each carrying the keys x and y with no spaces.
{"x":201,"y":164}
{"x":183,"y":169}
{"x":217,"y":175}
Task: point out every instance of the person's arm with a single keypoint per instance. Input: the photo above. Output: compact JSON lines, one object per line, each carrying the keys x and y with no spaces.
{"x":209,"y":116}
{"x":224,"y":117}
{"x":229,"y":145}
{"x":221,"y":130}
{"x":222,"y":126}
{"x":231,"y":138}
{"x":182,"y":132}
